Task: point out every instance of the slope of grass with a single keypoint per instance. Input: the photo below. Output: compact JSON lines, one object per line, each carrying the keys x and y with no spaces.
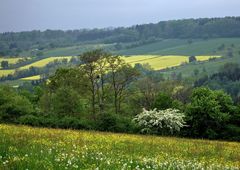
{"x":70,"y":51}
{"x":23,"y":147}
{"x":150,"y":48}
{"x":182,"y":47}
{"x":205,"y":67}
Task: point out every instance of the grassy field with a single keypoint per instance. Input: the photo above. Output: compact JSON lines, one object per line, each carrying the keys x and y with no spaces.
{"x":161,"y":62}
{"x":182,"y":47}
{"x":70,"y":51}
{"x":162,"y":47}
{"x":209,"y":67}
{"x":24,"y":147}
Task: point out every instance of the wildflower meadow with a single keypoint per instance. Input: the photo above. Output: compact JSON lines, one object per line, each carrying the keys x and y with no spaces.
{"x":23,"y":147}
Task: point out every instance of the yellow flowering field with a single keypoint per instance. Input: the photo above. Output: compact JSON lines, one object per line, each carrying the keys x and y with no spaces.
{"x":37,"y":77}
{"x":23,"y":147}
{"x":44,"y":62}
{"x":161,"y":62}
{"x":6,"y":72}
{"x":157,"y":62}
{"x":11,"y":60}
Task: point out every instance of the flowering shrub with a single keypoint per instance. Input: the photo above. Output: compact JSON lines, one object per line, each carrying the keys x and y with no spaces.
{"x":154,"y":121}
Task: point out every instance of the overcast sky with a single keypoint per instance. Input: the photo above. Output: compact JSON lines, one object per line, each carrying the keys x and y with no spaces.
{"x":24,"y":15}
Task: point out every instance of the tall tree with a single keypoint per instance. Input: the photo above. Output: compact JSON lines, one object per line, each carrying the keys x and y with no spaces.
{"x":94,"y":66}
{"x":4,"y":64}
{"x":121,"y":74}
{"x":192,"y":59}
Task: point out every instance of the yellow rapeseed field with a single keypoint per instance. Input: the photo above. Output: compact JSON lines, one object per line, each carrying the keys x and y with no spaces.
{"x":23,"y":147}
{"x":43,"y":62}
{"x":10,"y":60}
{"x":155,"y":61}
{"x":204,"y":58}
{"x":37,"y":77}
{"x":161,"y":62}
{"x":6,"y":72}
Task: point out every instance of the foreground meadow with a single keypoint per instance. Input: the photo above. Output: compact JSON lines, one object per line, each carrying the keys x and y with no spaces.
{"x":24,"y":147}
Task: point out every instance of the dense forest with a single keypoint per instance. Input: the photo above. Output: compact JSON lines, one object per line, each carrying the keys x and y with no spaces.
{"x":14,"y":43}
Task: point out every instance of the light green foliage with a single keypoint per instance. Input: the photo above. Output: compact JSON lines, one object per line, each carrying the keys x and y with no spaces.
{"x":64,"y":92}
{"x":13,"y":105}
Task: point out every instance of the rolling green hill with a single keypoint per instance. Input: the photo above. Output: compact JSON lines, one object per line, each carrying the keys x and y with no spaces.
{"x":208,"y":67}
{"x":183,"y":47}
{"x":161,"y":47}
{"x":68,"y":51}
{"x":171,"y":47}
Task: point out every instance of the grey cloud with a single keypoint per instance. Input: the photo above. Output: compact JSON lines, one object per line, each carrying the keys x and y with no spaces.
{"x":18,"y":15}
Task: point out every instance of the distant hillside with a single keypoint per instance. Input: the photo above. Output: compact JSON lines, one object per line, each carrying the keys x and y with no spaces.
{"x":216,"y":46}
{"x":230,"y":50}
{"x":37,"y":41}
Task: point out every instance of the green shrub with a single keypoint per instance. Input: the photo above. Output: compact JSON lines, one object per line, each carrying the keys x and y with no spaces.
{"x":115,"y":123}
{"x":73,"y":123}
{"x":107,"y":122}
{"x":13,"y":105}
{"x":29,"y":120}
{"x":208,"y":113}
{"x":163,"y":101}
{"x":232,"y":132}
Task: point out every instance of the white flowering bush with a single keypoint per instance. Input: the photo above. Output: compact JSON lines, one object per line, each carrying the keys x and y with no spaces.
{"x":161,"y":121}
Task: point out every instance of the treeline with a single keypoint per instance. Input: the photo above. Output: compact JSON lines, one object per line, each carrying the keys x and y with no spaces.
{"x":227,"y":79}
{"x":105,"y":93}
{"x":14,"y":43}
